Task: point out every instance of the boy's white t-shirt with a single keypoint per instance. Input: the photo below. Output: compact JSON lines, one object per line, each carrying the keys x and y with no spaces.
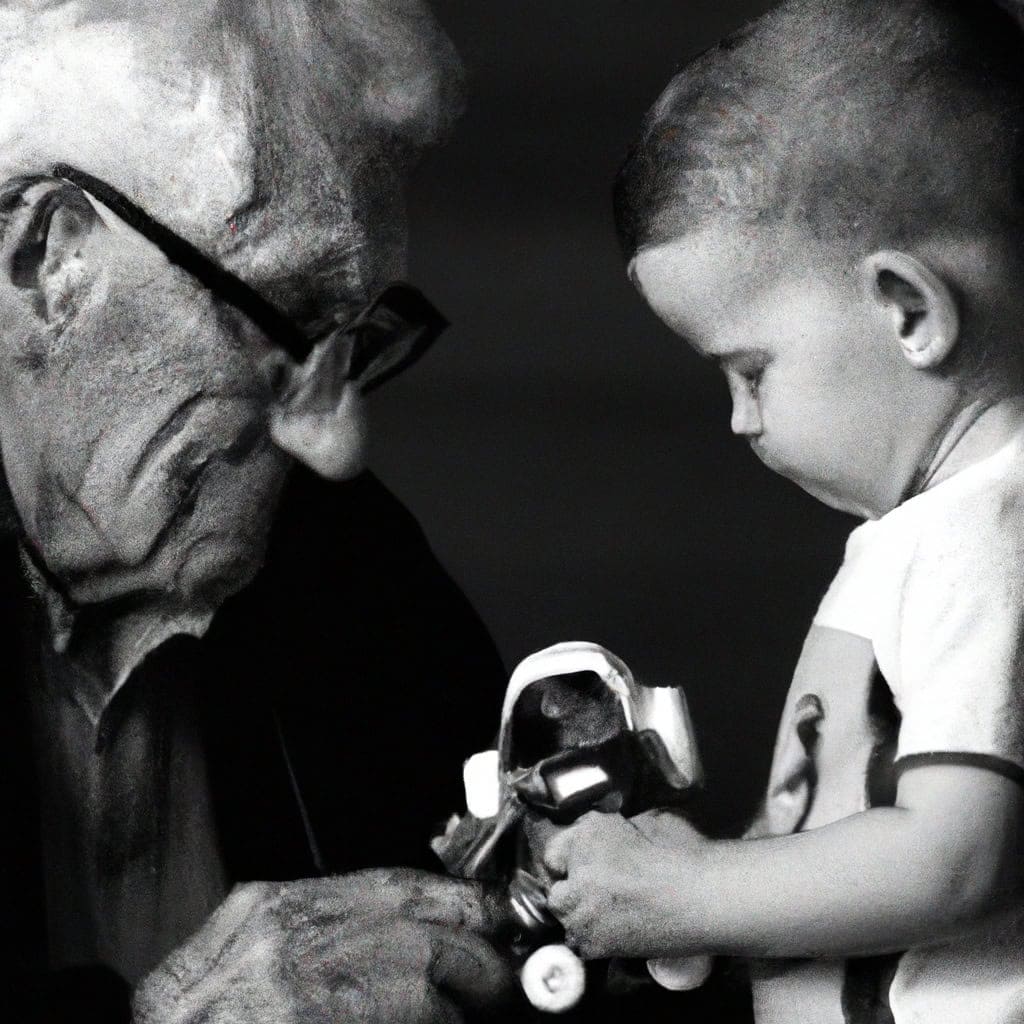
{"x":937,"y":588}
{"x":932,"y":597}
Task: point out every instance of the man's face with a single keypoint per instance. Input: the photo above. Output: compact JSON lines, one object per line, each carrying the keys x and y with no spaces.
{"x":275,"y":137}
{"x":814,"y":386}
{"x":132,"y":408}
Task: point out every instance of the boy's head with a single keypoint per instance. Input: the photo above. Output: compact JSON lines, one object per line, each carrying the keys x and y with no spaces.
{"x":830,"y":202}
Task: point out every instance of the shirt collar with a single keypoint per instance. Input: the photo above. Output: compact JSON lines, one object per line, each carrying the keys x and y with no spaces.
{"x":97,"y":673}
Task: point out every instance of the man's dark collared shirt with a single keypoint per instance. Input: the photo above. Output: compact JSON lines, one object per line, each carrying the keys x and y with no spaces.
{"x":130,"y":852}
{"x":352,"y":673}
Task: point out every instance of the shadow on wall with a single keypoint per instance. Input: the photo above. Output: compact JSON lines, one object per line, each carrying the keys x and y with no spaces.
{"x":569,"y":459}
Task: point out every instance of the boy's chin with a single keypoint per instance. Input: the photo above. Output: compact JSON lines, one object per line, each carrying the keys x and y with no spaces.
{"x":834,"y":499}
{"x":829,"y":492}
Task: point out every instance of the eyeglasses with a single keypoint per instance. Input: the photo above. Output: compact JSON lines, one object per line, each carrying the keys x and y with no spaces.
{"x":386,"y":336}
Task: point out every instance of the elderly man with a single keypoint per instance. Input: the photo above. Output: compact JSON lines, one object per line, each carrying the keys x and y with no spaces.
{"x":222,"y":664}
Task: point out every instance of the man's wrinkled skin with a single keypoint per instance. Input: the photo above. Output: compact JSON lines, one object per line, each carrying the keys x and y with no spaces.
{"x":287,"y":171}
{"x":133,"y":432}
{"x":142,"y":431}
{"x":373,"y":946}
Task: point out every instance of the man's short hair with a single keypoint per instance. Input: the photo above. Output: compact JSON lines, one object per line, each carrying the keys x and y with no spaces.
{"x":867,"y":121}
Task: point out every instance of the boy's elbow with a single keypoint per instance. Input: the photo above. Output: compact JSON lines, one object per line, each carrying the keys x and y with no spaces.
{"x":973,"y":863}
{"x":979,"y":886}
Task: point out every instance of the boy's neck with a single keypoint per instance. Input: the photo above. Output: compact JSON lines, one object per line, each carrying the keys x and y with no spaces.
{"x":976,"y":431}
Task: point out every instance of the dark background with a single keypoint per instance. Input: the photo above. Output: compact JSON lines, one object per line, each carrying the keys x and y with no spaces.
{"x":569,"y":459}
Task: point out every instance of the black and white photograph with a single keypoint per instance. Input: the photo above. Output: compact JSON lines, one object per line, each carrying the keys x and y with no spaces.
{"x":512,"y":512}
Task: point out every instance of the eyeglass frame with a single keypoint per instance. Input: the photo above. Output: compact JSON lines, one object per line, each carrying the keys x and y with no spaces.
{"x":397,"y":311}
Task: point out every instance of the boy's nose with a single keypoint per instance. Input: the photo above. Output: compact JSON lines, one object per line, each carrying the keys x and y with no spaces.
{"x":746,"y":414}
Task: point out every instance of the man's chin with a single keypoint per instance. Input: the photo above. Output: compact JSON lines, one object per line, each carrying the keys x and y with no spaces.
{"x":217,"y":566}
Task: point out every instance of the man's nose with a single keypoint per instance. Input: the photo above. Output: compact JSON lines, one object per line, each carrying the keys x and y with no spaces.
{"x":746,"y":413}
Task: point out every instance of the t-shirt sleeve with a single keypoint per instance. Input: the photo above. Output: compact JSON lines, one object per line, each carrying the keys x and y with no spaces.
{"x":955,"y":656}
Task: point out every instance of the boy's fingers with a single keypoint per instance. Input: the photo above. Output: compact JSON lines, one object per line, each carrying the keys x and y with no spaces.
{"x":539,"y":829}
{"x":561,"y":848}
{"x":561,"y":899}
{"x":556,"y":853}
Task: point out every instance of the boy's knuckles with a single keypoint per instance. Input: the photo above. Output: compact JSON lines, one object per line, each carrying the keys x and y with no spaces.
{"x":553,"y":853}
{"x":562,"y":897}
{"x":594,"y":828}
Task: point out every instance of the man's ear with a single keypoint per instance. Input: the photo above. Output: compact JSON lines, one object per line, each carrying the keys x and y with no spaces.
{"x":47,"y":257}
{"x":922,"y":306}
{"x":319,"y":418}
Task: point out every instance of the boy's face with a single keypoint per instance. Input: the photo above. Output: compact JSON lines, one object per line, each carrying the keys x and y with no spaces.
{"x":817,"y":386}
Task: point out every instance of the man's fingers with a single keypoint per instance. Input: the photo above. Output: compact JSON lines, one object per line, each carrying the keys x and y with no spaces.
{"x":439,"y":1009}
{"x":469,"y":969}
{"x":416,"y":895}
{"x":457,"y":903}
{"x":190,"y":962}
{"x":400,"y":996}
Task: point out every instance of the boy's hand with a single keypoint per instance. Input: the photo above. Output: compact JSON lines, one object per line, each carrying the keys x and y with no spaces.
{"x":612,"y":896}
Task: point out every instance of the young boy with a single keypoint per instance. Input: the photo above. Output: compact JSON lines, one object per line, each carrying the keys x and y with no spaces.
{"x":829,"y":206}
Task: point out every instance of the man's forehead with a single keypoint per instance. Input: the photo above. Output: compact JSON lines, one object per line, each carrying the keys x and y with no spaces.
{"x":248,"y":127}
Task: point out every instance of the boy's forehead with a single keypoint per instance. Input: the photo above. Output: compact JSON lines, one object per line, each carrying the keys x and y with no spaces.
{"x":714,"y":282}
{"x":699,"y":278}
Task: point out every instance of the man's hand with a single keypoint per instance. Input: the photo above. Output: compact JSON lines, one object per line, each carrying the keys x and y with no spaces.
{"x":614,"y":874}
{"x":375,"y":947}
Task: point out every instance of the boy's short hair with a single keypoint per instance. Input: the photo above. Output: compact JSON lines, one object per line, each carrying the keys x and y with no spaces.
{"x":866,"y":121}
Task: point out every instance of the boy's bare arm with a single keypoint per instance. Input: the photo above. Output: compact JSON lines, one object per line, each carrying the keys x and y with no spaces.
{"x":948,"y":855}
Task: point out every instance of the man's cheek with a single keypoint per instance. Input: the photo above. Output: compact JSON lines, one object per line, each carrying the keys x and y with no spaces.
{"x":21,"y":479}
{"x":221,"y":546}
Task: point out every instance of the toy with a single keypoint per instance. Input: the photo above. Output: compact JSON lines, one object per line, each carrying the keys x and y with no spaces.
{"x":577,"y":734}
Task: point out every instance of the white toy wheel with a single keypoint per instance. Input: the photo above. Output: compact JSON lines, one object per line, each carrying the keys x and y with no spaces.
{"x":553,"y":979}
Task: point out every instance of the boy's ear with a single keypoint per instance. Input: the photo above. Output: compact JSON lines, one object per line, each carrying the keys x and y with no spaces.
{"x":48,"y":257}
{"x":922,"y":306}
{"x":319,"y":418}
